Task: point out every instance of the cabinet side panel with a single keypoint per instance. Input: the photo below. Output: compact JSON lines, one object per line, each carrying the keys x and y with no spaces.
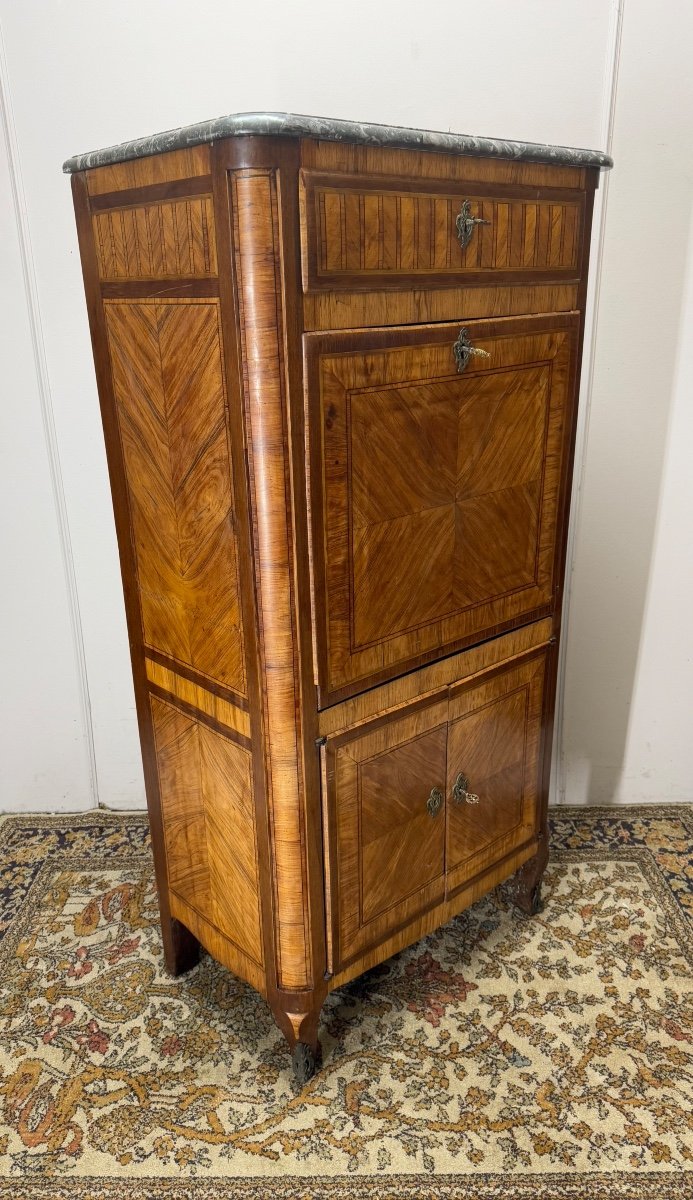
{"x":159,"y":364}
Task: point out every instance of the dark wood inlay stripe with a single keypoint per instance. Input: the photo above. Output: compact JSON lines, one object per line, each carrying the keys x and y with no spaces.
{"x":140,"y":289}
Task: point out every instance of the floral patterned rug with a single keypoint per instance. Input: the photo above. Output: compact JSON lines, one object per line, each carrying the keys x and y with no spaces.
{"x":504,"y":1056}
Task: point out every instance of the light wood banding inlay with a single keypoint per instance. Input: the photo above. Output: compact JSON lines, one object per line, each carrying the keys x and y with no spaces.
{"x":418,"y":685}
{"x":198,"y":697}
{"x":146,"y":172}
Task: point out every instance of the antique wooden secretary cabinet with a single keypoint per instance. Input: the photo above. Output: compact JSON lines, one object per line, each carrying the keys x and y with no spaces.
{"x":338,"y":368}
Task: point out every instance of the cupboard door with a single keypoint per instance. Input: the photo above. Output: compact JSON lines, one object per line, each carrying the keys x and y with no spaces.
{"x":494,"y":763}
{"x":386,"y":797}
{"x":435,"y":496}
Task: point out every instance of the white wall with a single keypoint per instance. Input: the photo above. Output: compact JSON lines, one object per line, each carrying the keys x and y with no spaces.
{"x":44,"y":745}
{"x":627,"y":732}
{"x":84,"y":75}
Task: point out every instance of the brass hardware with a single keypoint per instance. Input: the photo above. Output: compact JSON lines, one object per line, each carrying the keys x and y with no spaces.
{"x":465,"y":223}
{"x":435,"y":801}
{"x":463,"y":350}
{"x":460,"y":792}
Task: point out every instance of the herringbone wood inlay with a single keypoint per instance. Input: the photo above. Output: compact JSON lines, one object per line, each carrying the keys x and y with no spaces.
{"x":209,"y":824}
{"x":157,"y":241}
{"x":440,"y":491}
{"x":171,"y":412}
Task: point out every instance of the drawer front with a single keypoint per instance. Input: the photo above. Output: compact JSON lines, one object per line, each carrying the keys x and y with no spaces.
{"x":493,"y":781}
{"x":435,"y":496}
{"x":386,"y":790}
{"x":370,"y":232}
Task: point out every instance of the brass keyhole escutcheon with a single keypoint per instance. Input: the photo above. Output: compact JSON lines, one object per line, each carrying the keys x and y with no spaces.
{"x":465,"y":223}
{"x":435,"y":801}
{"x":461,"y":793}
{"x":463,"y":350}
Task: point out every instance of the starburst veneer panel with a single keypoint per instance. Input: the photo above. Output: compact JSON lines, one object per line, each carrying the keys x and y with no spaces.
{"x":435,"y":494}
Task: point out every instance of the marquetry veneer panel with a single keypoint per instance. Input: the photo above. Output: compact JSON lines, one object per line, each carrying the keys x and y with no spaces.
{"x":369,"y":233}
{"x":170,"y":395}
{"x":166,"y":240}
{"x":404,"y":836}
{"x":390,"y":852}
{"x":209,"y":824}
{"x":494,"y":736}
{"x":435,"y":496}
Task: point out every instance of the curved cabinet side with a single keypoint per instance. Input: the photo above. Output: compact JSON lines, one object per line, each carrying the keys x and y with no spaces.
{"x":254,"y":203}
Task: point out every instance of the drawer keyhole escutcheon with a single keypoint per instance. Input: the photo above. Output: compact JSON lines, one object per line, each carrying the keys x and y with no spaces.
{"x":435,"y":801}
{"x":465,"y":223}
{"x":461,"y":793}
{"x":463,"y":350}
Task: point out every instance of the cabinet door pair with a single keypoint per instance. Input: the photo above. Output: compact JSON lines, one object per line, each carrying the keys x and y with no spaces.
{"x":421,"y":802}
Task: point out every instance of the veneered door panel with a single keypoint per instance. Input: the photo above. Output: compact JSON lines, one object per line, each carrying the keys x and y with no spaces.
{"x":493,"y":780}
{"x":435,"y":495}
{"x":386,"y":807}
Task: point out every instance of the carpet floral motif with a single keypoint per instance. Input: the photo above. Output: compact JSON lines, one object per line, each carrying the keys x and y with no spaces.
{"x":501,"y":1056}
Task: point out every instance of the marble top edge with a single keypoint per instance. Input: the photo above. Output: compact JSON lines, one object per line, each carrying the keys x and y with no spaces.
{"x":277,"y":124}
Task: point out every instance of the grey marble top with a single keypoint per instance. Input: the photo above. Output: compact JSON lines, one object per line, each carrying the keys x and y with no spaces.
{"x":331,"y":130}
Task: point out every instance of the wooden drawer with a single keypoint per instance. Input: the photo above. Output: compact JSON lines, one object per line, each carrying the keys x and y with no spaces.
{"x":372,"y":232}
{"x":423,"y":800}
{"x":435,"y":496}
